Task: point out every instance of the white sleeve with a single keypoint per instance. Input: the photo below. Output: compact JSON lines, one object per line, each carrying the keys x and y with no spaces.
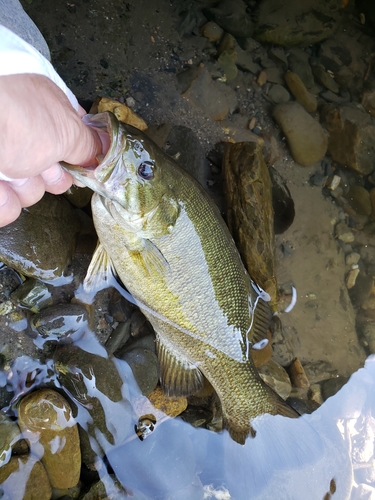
{"x":17,"y":57}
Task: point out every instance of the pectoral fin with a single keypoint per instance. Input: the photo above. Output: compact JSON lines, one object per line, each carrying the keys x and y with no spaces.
{"x":151,"y":259}
{"x":178,"y":376}
{"x":100,"y":271}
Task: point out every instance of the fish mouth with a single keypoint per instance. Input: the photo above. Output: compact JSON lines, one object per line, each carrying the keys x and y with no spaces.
{"x":100,"y":178}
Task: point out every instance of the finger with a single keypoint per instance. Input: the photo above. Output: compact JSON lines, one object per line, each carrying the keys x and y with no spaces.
{"x":10,"y":206}
{"x":56,"y":180}
{"x":28,"y":191}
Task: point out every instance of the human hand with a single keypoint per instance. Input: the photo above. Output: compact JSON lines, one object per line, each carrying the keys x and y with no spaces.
{"x":38,"y":128}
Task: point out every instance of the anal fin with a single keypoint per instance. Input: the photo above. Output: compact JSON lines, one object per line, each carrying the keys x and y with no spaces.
{"x":178,"y":376}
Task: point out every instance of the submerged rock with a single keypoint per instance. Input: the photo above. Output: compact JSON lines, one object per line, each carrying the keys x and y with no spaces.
{"x":41,"y":242}
{"x":276,"y":377}
{"x":25,"y":478}
{"x":46,"y":421}
{"x":232,"y":17}
{"x":32,"y":294}
{"x":290,"y":23}
{"x":351,"y":136}
{"x":300,"y":92}
{"x":250,"y":212}
{"x":145,"y":368}
{"x":9,"y":435}
{"x":306,"y":138}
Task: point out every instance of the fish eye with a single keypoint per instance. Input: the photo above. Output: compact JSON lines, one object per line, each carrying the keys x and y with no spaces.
{"x":146,"y":170}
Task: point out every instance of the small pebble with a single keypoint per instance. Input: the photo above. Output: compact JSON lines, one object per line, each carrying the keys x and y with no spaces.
{"x":262,"y":78}
{"x":352,"y":258}
{"x":351,"y":278}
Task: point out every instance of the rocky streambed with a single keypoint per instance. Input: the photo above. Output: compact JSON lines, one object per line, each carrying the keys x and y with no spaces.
{"x":271,"y":106}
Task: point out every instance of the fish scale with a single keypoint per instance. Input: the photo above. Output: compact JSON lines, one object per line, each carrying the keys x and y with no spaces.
{"x":172,"y":250}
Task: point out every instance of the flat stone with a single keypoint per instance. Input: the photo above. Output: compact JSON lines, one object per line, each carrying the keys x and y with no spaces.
{"x":333,"y":55}
{"x":144,"y":365}
{"x":209,"y":96}
{"x":306,"y":138}
{"x":45,"y":419}
{"x":351,"y":139}
{"x":275,"y":75}
{"x":343,"y":233}
{"x":276,"y":377}
{"x":297,"y":375}
{"x":300,"y":92}
{"x":298,"y":61}
{"x":277,"y":54}
{"x":325,"y":79}
{"x":287,"y":23}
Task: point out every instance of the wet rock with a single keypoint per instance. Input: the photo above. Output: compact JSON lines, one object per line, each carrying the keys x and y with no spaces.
{"x":368,"y":101}
{"x":359,"y":199}
{"x":287,"y":23}
{"x":277,"y":54}
{"x":227,"y":64}
{"x":145,"y":368}
{"x":275,"y":75}
{"x":351,"y":136}
{"x":9,"y":435}
{"x":319,"y":371}
{"x":110,"y":487}
{"x":333,"y":54}
{"x":77,"y":371}
{"x":213,"y":98}
{"x":79,"y":197}
{"x":276,"y":377}
{"x":250,"y":212}
{"x":297,"y":375}
{"x":332,"y":386}
{"x":298,"y":61}
{"x":32,"y":294}
{"x":262,"y":78}
{"x":62,"y":323}
{"x":45,"y":419}
{"x":122,"y":112}
{"x":352,"y":258}
{"x":212,"y":31}
{"x":182,"y":144}
{"x":300,"y":92}
{"x":232,"y":17}
{"x":330,"y":96}
{"x":343,"y":233}
{"x":282,"y":202}
{"x":238,"y":134}
{"x":368,"y":333}
{"x":118,"y":337}
{"x":306,"y":138}
{"x":351,"y":278}
{"x":278,"y":94}
{"x":325,"y":79}
{"x":361,"y":290}
{"x":238,"y":56}
{"x":41,"y":242}
{"x":25,"y":478}
{"x":171,"y":406}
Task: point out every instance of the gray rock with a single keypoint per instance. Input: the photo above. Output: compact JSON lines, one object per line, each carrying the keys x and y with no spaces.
{"x":319,"y":371}
{"x":330,"y":96}
{"x":232,"y":17}
{"x":325,"y":79}
{"x":334,"y":54}
{"x":275,"y":75}
{"x":289,"y":23}
{"x":9,"y":435}
{"x":145,"y":368}
{"x":277,"y":54}
{"x":278,"y":94}
{"x":359,"y":199}
{"x":331,"y":386}
{"x":306,"y":138}
{"x":298,"y":61}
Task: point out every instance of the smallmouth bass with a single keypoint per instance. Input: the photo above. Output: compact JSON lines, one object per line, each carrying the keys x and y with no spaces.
{"x":166,"y":240}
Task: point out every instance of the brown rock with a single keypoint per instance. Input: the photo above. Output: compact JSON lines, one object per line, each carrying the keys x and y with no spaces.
{"x":359,"y":199}
{"x":238,"y":134}
{"x":306,"y":138}
{"x":250,"y":212}
{"x":276,"y":377}
{"x":171,"y":406}
{"x":325,"y":79}
{"x":351,"y":139}
{"x":300,"y":92}
{"x":262,"y":356}
{"x":212,"y":31}
{"x":25,"y":478}
{"x":46,"y":421}
{"x":262,"y":78}
{"x":297,"y":375}
{"x":121,"y":111}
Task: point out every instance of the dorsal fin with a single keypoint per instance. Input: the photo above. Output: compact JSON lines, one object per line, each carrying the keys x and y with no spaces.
{"x":178,"y":376}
